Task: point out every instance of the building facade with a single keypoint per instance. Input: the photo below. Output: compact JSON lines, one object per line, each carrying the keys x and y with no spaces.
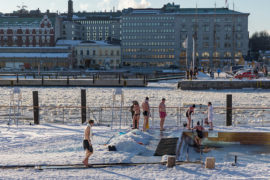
{"x":155,"y":37}
{"x":97,"y":54}
{"x":26,"y":32}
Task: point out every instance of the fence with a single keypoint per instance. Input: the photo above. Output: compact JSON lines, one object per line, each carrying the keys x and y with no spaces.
{"x":117,"y":117}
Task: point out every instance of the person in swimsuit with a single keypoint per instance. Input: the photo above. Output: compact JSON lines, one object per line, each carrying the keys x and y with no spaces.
{"x":162,"y":113}
{"x":188,"y":115}
{"x":199,"y":134}
{"x":136,"y":117}
{"x":146,"y":112}
{"x":87,"y":145}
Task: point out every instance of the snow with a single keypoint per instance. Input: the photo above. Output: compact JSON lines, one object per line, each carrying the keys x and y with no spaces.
{"x":52,"y":143}
{"x":34,"y":55}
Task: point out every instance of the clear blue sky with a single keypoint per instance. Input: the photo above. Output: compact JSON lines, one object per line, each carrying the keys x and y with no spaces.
{"x":259,"y":10}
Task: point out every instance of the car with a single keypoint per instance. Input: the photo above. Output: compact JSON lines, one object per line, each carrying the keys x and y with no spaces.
{"x":89,"y":70}
{"x":245,"y":74}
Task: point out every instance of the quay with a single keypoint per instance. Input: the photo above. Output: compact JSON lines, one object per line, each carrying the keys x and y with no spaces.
{"x":223,"y":84}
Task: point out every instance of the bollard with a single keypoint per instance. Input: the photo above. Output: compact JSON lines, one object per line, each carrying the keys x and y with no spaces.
{"x":119,"y":79}
{"x":83,"y":105}
{"x":170,"y":161}
{"x":229,"y":110}
{"x":67,"y":80}
{"x":210,"y":162}
{"x":35,"y":107}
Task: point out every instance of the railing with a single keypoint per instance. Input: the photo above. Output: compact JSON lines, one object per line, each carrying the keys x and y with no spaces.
{"x":117,"y":117}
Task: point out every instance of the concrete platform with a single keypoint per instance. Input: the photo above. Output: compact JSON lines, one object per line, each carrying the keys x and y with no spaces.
{"x":226,"y":84}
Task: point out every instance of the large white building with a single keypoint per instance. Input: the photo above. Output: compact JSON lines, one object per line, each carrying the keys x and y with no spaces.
{"x":154,"y":37}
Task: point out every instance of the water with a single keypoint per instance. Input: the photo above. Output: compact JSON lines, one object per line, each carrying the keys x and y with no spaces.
{"x":226,"y":152}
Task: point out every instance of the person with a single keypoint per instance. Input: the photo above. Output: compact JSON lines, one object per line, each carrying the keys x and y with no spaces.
{"x":131,"y":109}
{"x":188,"y":115}
{"x":198,"y":134}
{"x":190,"y":73}
{"x":87,"y":144}
{"x":218,"y":71}
{"x":146,"y":112}
{"x":136,"y":116}
{"x":162,"y":113}
{"x":210,"y":115}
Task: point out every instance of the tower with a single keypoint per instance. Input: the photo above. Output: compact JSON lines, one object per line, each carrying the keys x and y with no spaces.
{"x":70,"y":10}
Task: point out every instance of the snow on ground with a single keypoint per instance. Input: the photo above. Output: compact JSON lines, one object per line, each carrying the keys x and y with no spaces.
{"x":51,"y":143}
{"x":62,"y":144}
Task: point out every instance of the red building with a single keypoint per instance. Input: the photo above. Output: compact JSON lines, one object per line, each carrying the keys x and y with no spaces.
{"x":26,"y":32}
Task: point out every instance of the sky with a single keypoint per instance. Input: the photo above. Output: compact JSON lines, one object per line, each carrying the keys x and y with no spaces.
{"x":258,"y":9}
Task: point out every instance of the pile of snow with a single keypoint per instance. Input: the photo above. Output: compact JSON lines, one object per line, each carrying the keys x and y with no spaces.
{"x":131,"y":142}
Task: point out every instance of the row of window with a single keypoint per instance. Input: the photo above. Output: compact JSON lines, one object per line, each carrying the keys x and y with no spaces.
{"x":99,"y":28}
{"x":149,"y":18}
{"x":154,"y":56}
{"x":148,"y":30}
{"x":165,"y":24}
{"x":94,"y":22}
{"x":215,"y":54}
{"x":148,"y":43}
{"x":100,"y":52}
{"x":170,"y":50}
{"x":172,"y":37}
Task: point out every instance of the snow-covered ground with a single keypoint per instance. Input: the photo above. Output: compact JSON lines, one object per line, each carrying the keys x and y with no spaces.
{"x":62,"y":144}
{"x":51,"y":143}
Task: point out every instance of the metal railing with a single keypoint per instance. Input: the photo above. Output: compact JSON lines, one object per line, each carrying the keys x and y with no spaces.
{"x":117,"y":117}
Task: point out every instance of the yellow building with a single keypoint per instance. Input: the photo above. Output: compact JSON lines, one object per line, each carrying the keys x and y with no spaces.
{"x":97,"y":54}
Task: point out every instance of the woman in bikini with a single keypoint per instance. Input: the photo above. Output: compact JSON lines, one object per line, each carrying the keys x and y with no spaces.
{"x":188,"y":115}
{"x":136,"y":117}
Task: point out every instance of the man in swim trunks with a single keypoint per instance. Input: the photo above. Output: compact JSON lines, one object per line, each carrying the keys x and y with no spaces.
{"x":162,"y":113}
{"x":87,"y":145}
{"x":146,"y":112}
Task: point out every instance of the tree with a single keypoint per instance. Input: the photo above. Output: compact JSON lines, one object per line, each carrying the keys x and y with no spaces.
{"x":259,"y":41}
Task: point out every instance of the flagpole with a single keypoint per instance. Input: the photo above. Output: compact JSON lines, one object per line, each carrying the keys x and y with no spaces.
{"x":193,"y":53}
{"x":186,"y":44}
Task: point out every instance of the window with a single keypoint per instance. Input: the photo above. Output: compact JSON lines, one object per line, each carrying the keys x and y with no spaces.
{"x":81,"y":52}
{"x":87,"y":52}
{"x":227,"y":54}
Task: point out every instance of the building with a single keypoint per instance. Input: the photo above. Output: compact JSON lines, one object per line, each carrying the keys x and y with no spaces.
{"x":43,"y":58}
{"x":98,"y":54}
{"x":26,"y":32}
{"x":155,"y":37}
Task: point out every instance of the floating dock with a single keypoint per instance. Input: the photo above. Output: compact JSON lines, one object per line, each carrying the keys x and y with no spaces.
{"x":75,"y":82}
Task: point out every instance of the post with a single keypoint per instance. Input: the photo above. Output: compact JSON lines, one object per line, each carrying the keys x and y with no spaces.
{"x":42,"y":81}
{"x":35,"y":107}
{"x":83,"y":105}
{"x":119,"y":79}
{"x":170,"y":161}
{"x":229,"y":110}
{"x":67,"y":80}
{"x":17,"y":78}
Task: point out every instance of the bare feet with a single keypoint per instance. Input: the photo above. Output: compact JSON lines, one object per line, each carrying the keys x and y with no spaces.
{"x":85,"y":162}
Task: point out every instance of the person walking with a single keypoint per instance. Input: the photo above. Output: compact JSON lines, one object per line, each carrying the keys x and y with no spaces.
{"x":136,"y":117}
{"x":87,"y":143}
{"x":218,"y":71}
{"x":188,"y":115}
{"x":210,"y":115}
{"x":146,"y":113}
{"x":162,"y":113}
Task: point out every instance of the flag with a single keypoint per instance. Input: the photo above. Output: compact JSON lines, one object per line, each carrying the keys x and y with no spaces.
{"x":226,"y":3}
{"x":185,"y":43}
